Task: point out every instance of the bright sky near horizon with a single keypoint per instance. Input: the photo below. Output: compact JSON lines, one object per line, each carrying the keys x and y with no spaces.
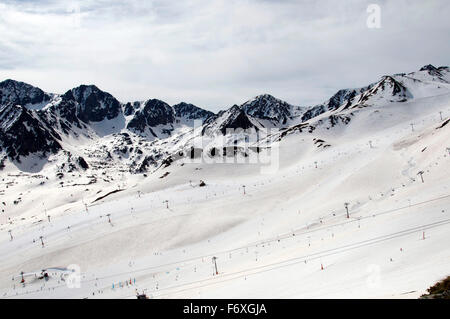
{"x":218,"y":53}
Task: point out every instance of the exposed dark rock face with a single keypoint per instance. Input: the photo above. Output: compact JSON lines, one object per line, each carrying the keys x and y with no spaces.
{"x":237,"y":120}
{"x":82,"y":163}
{"x":167,"y":162}
{"x":131,"y":107}
{"x":234,"y":118}
{"x":27,"y":127}
{"x":441,"y":290}
{"x":313,"y":112}
{"x":143,"y":167}
{"x":335,"y":119}
{"x":191,"y":112}
{"x":344,"y":97}
{"x":340,"y":97}
{"x":22,"y":134}
{"x":20,"y":93}
{"x":267,"y":107}
{"x":64,"y":114}
{"x":80,"y":106}
{"x":155,"y":112}
{"x":128,"y":109}
{"x":431,"y":69}
{"x":90,"y":104}
{"x":396,"y":90}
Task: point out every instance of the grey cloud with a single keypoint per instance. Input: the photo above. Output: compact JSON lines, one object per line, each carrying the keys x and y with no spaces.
{"x":217,"y":53}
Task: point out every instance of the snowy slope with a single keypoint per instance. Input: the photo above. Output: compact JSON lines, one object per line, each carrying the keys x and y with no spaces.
{"x":284,"y":235}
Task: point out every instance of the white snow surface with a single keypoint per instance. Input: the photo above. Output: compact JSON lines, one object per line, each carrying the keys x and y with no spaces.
{"x":285,"y":235}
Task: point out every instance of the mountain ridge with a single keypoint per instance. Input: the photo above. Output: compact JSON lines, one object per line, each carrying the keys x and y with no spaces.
{"x":161,"y":129}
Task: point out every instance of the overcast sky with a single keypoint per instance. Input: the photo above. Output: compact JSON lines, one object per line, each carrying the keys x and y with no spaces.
{"x":218,"y":53}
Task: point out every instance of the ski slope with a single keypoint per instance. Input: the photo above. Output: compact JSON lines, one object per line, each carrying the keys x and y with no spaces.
{"x":285,"y":235}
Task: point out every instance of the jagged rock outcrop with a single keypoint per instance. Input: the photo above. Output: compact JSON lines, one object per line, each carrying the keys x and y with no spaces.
{"x":138,"y":135}
{"x":232,"y":119}
{"x":191,"y":112}
{"x":387,"y":89}
{"x":153,"y":113}
{"x":23,"y":134}
{"x":20,"y":93}
{"x":267,"y":107}
{"x":91,"y":104}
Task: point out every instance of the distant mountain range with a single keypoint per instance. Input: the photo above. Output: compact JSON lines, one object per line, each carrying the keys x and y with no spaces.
{"x":87,"y":128}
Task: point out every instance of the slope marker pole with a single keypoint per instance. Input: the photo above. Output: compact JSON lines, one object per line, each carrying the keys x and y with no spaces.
{"x":109,"y":218}
{"x":214,"y":260}
{"x":346,"y":208}
{"x":421,"y":175}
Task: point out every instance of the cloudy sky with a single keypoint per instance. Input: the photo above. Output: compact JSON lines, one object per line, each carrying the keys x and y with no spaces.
{"x":216,"y":53}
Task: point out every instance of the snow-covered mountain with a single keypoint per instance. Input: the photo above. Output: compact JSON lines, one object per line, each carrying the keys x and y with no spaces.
{"x":191,"y":112}
{"x":267,"y":107}
{"x":360,"y":183}
{"x":233,"y":118}
{"x":22,"y":133}
{"x":87,"y":120}
{"x":19,"y":93}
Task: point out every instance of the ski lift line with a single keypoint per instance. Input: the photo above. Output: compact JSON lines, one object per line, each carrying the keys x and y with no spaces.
{"x":40,"y":273}
{"x":79,"y":224}
{"x":262,"y":242}
{"x":270,"y":240}
{"x":296,"y":260}
{"x":303,"y":258}
{"x":287,"y":235}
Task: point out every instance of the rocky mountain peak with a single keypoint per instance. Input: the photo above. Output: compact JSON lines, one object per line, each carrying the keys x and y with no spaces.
{"x":267,"y":107}
{"x":16,"y":92}
{"x":429,"y":67}
{"x":190,"y":111}
{"x":22,"y":134}
{"x":152,"y":113}
{"x":91,"y":103}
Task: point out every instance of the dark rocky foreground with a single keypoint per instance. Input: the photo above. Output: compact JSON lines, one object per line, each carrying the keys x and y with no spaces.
{"x":440,"y":290}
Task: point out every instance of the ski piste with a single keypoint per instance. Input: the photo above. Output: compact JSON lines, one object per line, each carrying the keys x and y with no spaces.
{"x":359,"y":206}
